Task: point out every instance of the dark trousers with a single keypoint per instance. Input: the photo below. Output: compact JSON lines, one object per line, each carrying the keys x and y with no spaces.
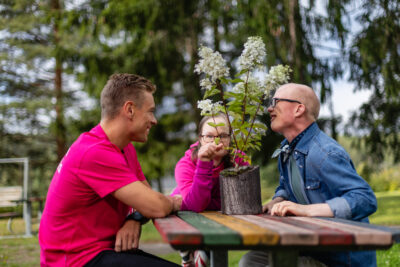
{"x":130,"y":258}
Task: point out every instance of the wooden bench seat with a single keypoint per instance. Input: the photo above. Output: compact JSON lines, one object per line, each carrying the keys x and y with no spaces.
{"x":10,"y":196}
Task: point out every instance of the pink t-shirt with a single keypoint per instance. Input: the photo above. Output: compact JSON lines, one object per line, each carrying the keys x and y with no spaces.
{"x":81,"y":217}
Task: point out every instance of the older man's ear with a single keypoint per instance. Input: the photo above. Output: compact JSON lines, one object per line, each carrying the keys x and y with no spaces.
{"x":300,"y":110}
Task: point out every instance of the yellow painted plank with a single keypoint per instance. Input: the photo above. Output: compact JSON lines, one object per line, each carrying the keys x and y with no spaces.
{"x":251,"y":233}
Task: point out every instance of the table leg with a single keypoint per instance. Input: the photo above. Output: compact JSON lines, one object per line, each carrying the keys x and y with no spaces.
{"x":219,"y":258}
{"x":283,"y":258}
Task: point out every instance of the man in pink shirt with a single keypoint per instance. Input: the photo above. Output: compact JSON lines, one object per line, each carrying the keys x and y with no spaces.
{"x":87,"y":219}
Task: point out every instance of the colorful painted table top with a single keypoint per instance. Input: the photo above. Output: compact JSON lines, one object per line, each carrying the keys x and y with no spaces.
{"x":215,"y":230}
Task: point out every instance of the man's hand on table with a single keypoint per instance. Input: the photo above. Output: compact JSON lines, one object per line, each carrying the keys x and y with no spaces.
{"x":268,"y":207}
{"x":176,"y":201}
{"x":285,"y":208}
{"x":128,"y":236}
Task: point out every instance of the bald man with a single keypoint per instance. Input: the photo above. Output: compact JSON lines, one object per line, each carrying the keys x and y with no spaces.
{"x":317,"y":176}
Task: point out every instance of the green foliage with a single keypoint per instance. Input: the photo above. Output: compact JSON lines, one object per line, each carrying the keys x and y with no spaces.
{"x":388,"y":179}
{"x":32,"y":97}
{"x":381,"y":175}
{"x":374,"y":60}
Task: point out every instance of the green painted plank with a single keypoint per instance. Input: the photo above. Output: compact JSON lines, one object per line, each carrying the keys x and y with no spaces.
{"x":213,"y":232}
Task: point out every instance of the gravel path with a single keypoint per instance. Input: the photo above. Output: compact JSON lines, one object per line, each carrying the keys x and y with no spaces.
{"x":157,"y":248}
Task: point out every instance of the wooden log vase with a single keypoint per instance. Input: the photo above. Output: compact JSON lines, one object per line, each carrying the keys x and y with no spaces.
{"x":241,"y":194}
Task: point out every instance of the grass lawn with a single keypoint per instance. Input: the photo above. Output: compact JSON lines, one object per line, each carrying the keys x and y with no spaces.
{"x":23,"y":252}
{"x":388,"y":212}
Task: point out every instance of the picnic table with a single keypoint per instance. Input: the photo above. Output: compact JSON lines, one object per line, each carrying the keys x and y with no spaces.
{"x":284,"y":237}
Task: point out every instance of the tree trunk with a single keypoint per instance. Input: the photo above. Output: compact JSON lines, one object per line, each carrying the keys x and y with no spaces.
{"x":293,"y":54}
{"x":241,"y":194}
{"x":59,"y":123}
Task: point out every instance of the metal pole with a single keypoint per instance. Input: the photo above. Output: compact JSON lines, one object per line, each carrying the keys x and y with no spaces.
{"x":27,"y":212}
{"x":13,"y":160}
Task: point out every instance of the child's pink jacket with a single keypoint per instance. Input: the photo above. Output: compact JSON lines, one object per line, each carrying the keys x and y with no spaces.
{"x":198,"y":182}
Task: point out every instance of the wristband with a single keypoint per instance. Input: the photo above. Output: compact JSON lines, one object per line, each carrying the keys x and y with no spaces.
{"x":136,"y":216}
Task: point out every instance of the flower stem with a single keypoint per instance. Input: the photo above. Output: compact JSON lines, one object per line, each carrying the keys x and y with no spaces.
{"x":244,"y":104}
{"x":219,"y":86}
{"x":236,"y":164}
{"x":252,"y":123}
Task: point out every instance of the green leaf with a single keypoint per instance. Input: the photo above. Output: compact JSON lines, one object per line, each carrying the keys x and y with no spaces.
{"x":234,"y":96}
{"x":237,"y":80}
{"x":212,"y":124}
{"x":260,"y":125}
{"x":224,"y":80}
{"x":256,"y":98}
{"x":241,"y":72}
{"x":211,"y":92}
{"x":216,"y":140}
{"x":244,"y":131}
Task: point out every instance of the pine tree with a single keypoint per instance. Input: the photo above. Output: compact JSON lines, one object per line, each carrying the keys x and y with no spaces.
{"x":374,"y":58}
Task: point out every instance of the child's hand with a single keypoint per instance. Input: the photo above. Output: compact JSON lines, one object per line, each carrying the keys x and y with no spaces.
{"x":207,"y":151}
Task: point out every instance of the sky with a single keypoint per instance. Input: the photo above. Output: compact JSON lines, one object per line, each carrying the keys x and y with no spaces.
{"x":345,"y":100}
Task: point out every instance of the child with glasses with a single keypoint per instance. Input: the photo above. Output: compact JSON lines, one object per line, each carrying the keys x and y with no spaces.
{"x":197,"y":173}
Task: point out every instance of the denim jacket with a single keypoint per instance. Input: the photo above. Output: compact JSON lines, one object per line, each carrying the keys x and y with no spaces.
{"x":329,"y":177}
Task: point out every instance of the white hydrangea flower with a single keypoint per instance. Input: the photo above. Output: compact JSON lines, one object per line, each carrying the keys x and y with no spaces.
{"x":206,"y":84}
{"x":254,"y":86}
{"x":277,"y":76}
{"x":208,"y":107}
{"x":253,"y":53}
{"x":254,"y":80}
{"x":212,"y":64}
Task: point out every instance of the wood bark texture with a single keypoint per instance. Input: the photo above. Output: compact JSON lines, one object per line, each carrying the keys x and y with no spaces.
{"x":241,"y":194}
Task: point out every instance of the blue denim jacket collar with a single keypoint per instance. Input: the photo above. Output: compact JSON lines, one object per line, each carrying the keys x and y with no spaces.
{"x":302,"y":146}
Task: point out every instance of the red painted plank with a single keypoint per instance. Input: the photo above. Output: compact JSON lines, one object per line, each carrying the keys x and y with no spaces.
{"x":177,"y":232}
{"x":326,"y":235}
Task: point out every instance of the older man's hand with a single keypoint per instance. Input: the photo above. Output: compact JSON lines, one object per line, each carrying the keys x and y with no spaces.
{"x":268,"y":207}
{"x":288,"y":208}
{"x":285,"y":208}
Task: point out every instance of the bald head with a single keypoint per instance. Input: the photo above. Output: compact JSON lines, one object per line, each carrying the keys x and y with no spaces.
{"x":305,"y":95}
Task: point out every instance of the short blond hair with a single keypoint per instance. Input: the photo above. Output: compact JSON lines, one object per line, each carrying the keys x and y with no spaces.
{"x":120,"y":88}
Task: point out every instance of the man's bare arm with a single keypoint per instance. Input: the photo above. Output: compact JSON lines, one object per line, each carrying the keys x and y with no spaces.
{"x":148,"y":202}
